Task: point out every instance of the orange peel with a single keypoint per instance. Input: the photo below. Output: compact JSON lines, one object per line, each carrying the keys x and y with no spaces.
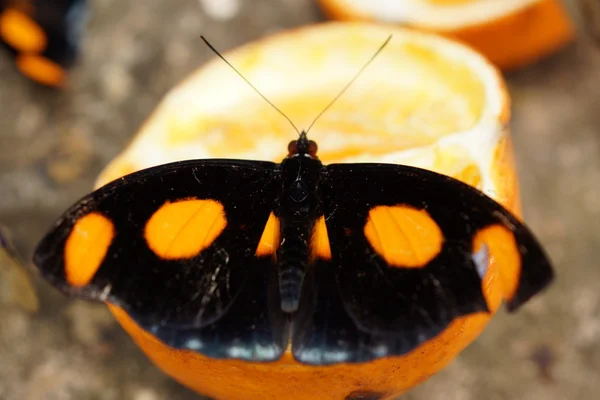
{"x":425,"y":101}
{"x":511,"y":33}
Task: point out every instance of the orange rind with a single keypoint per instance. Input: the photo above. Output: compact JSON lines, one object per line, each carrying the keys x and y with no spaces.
{"x":510,"y":33}
{"x":425,"y":101}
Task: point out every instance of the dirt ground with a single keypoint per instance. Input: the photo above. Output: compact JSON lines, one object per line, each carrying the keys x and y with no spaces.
{"x":53,"y":145}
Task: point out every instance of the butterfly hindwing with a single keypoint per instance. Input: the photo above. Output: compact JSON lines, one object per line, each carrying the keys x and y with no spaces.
{"x":175,"y":247}
{"x":403,"y":264}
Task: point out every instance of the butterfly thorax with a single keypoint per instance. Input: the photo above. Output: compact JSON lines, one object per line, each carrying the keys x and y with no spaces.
{"x":298,"y":206}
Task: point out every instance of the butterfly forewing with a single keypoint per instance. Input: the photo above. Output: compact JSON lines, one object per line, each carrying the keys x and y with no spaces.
{"x":403,"y":263}
{"x":175,"y":247}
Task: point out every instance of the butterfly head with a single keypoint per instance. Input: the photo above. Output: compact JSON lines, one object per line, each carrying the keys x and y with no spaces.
{"x":302,"y":147}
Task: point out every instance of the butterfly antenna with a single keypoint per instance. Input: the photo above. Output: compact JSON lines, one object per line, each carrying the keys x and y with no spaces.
{"x":248,"y":82}
{"x":351,"y":81}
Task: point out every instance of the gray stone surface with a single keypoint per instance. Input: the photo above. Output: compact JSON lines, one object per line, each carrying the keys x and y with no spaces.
{"x":52,"y":146}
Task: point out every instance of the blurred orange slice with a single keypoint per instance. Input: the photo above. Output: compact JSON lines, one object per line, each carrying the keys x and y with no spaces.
{"x":425,"y":101}
{"x":511,"y":33}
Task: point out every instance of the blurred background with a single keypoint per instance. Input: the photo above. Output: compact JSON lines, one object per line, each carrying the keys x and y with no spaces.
{"x":53,"y":144}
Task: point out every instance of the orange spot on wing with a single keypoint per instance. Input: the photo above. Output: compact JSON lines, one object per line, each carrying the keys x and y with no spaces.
{"x":21,"y":32}
{"x":504,"y":260}
{"x":86,"y":248}
{"x":403,"y":236}
{"x":184,"y":228}
{"x":41,"y":69}
{"x":320,"y":241}
{"x":269,"y":241}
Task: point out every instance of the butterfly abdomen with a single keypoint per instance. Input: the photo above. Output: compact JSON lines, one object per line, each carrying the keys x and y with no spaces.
{"x":293,"y":261}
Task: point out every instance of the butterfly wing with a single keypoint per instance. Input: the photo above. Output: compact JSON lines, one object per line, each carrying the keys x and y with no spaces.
{"x":43,"y":36}
{"x":175,"y":247}
{"x":404,"y":262}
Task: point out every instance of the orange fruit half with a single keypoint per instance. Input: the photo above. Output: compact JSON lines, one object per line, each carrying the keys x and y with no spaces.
{"x":511,"y":33}
{"x":425,"y":101}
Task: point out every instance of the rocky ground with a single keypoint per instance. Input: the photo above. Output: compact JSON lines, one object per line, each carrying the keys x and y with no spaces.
{"x":53,"y":145}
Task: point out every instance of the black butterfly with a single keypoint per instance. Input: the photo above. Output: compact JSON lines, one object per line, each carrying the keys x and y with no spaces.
{"x":228,"y":301}
{"x":43,"y":36}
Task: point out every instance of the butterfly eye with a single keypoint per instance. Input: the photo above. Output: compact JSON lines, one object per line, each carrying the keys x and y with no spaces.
{"x":293,"y":148}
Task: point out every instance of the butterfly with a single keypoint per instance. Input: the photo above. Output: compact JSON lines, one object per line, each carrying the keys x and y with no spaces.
{"x":43,"y":36}
{"x":239,"y":259}
{"x":234,"y":259}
